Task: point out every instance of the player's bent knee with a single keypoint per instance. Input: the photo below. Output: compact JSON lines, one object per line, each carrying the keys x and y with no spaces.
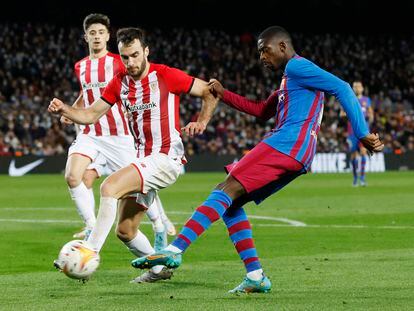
{"x":232,"y":187}
{"x":107,"y":189}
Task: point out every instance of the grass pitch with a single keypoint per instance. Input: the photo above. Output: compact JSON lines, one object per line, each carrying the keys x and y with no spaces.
{"x":355,"y":252}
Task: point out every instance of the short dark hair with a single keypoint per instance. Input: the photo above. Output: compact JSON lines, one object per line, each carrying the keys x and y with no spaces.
{"x":275,"y":31}
{"x":96,"y":18}
{"x":127,"y":35}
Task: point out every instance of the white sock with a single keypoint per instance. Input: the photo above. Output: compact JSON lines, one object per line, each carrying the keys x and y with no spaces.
{"x":140,"y":246}
{"x":255,"y":275}
{"x":173,"y":249}
{"x":161,"y":211}
{"x":85,"y":204}
{"x":104,"y":222}
{"x":154,"y":215}
{"x":92,"y":198}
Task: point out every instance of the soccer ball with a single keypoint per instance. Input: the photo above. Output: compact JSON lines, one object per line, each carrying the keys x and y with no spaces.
{"x":77,"y":260}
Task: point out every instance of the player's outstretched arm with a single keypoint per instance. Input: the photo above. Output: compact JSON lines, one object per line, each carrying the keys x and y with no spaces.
{"x":201,"y":89}
{"x":308,"y":75}
{"x":89,"y":115}
{"x":263,"y":109}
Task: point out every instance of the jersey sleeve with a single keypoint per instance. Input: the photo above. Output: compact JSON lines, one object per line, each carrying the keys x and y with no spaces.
{"x":177,"y":80}
{"x":263,"y":109}
{"x":307,"y":75}
{"x":111,"y":93}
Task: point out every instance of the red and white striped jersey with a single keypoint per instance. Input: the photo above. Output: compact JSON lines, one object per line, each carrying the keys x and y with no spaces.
{"x":93,"y":76}
{"x":153,"y":103}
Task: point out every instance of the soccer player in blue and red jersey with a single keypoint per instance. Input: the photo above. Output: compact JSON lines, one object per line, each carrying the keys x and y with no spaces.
{"x":355,"y":147}
{"x":284,"y":154}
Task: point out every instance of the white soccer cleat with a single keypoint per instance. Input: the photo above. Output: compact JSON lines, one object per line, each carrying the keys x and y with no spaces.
{"x":151,"y":277}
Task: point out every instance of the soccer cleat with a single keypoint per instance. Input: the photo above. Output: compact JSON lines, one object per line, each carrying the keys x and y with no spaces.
{"x":170,"y":227}
{"x":161,"y":241}
{"x":363,"y":183}
{"x":250,"y":286}
{"x":164,"y":258}
{"x":355,"y":183}
{"x":151,"y":277}
{"x":84,"y":234}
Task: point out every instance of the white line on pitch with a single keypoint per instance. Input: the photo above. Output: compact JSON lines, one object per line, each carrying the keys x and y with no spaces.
{"x":290,"y":222}
{"x":61,"y":221}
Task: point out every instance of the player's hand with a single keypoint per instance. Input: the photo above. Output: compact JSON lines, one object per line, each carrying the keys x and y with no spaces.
{"x":216,"y":88}
{"x":56,"y":106}
{"x":194,"y":128}
{"x":65,"y":121}
{"x":372,"y":143}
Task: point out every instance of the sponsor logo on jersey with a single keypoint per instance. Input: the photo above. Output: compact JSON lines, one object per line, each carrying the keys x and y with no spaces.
{"x":144,"y":106}
{"x":89,"y":86}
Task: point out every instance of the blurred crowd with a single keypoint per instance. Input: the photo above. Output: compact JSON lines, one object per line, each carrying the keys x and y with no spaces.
{"x":36,"y":64}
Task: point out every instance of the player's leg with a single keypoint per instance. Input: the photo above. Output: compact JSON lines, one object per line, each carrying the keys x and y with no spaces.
{"x":354,"y":163}
{"x":117,"y":185}
{"x":75,"y":168}
{"x":130,"y":216}
{"x":353,"y":144}
{"x":207,"y":213}
{"x":363,"y":164}
{"x":88,"y":179}
{"x":160,"y":233}
{"x":165,"y":220}
{"x":240,"y":233}
{"x":157,"y":170}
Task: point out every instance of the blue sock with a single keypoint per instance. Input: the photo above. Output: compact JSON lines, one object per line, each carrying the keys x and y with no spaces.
{"x":210,"y":211}
{"x":355,"y":169}
{"x":363,"y":163}
{"x":240,"y":232}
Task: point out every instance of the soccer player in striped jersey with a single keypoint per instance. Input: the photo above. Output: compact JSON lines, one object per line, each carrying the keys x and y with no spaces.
{"x":150,"y":94}
{"x":106,"y":145}
{"x":356,"y":149}
{"x":284,"y":154}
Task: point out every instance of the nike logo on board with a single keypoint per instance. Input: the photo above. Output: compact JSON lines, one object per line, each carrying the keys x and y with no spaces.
{"x":20,"y":171}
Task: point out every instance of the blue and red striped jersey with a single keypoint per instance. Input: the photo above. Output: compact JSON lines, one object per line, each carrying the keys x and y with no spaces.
{"x":300,"y":109}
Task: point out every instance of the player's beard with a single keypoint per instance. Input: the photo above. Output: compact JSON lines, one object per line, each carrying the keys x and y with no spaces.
{"x":137,"y":74}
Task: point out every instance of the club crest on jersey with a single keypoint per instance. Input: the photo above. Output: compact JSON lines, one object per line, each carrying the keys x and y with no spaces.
{"x":154,"y":86}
